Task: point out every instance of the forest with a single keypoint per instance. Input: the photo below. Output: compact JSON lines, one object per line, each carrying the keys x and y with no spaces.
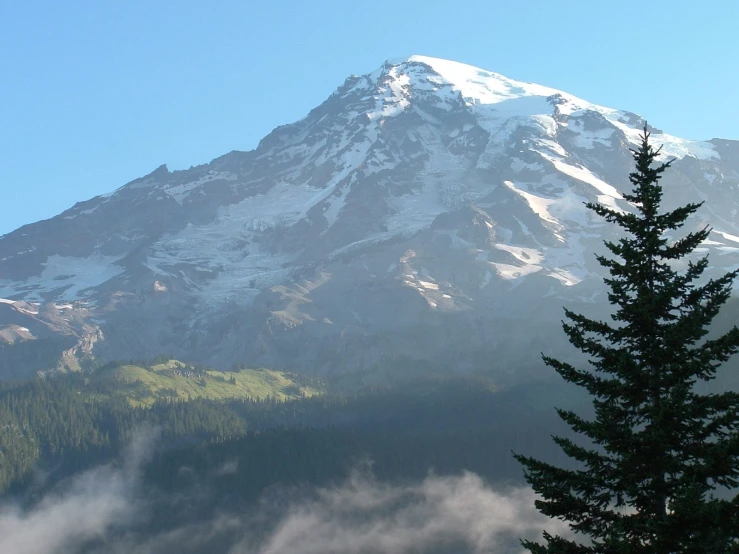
{"x":66,"y":423}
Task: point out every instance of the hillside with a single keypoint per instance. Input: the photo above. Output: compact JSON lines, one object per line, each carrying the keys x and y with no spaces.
{"x":142,"y":385}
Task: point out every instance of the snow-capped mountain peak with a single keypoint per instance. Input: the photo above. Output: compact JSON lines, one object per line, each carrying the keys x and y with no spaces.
{"x":481,"y":86}
{"x":427,"y":186}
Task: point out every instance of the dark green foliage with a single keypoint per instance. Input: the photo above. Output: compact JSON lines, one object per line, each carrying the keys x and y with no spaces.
{"x":70,"y":423}
{"x":445,"y":427}
{"x":18,"y":450}
{"x":67,"y":424}
{"x":659,"y":449}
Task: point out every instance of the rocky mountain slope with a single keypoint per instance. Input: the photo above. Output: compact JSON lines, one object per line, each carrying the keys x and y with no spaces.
{"x":429,"y":212}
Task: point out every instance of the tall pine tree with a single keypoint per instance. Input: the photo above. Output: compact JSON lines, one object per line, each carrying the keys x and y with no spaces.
{"x":658,"y":449}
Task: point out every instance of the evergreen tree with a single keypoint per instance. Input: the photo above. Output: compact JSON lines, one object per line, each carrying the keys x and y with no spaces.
{"x":659,"y":449}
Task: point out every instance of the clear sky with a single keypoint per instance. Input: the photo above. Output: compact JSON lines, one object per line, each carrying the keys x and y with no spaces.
{"x":94,"y":94}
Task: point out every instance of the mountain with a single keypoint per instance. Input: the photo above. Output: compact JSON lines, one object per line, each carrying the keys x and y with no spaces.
{"x":429,"y":213}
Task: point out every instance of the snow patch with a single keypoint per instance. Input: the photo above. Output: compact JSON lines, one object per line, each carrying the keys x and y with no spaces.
{"x":727,"y":236}
{"x":539,"y":205}
{"x":672,"y":147}
{"x":524,"y":255}
{"x":510,"y":272}
{"x":588,"y":139}
{"x":74,"y":275}
{"x":565,"y":277}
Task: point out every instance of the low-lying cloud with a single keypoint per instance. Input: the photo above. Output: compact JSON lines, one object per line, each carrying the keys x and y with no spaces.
{"x":365,"y":516}
{"x":97,"y":512}
{"x":82,"y":509}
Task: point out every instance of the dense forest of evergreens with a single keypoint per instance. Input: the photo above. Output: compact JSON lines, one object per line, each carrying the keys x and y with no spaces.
{"x":62,"y":425}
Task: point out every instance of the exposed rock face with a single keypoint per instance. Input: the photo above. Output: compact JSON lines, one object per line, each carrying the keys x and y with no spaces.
{"x":429,"y":210}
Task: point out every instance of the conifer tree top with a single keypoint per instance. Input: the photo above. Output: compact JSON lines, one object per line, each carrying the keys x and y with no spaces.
{"x":657,"y":449}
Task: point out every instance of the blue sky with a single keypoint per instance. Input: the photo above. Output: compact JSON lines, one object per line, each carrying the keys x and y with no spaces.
{"x":95,"y":94}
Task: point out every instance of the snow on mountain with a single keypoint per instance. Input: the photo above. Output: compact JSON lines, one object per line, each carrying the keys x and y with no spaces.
{"x":424,"y":195}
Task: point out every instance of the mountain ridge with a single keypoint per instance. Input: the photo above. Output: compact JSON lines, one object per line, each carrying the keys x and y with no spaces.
{"x":425,"y":194}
